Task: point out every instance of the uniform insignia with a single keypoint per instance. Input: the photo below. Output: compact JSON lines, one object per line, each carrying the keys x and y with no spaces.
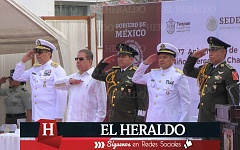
{"x":129,"y":77}
{"x":36,"y":65}
{"x":220,"y":72}
{"x":214,"y":87}
{"x":234,"y":75}
{"x":156,"y":69}
{"x":47,"y":72}
{"x":152,"y":80}
{"x":54,"y":64}
{"x":128,"y":81}
{"x":180,"y":71}
{"x":218,"y":77}
{"x":18,"y":95}
{"x":222,"y":65}
{"x":230,"y":67}
{"x":169,"y":81}
{"x":44,"y":83}
{"x":133,"y":68}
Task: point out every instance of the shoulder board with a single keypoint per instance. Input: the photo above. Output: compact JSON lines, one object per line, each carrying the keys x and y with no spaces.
{"x":155,"y":69}
{"x":133,"y":68}
{"x":36,"y":65}
{"x":54,"y":64}
{"x":179,"y":71}
{"x":115,"y":67}
{"x":230,"y":67}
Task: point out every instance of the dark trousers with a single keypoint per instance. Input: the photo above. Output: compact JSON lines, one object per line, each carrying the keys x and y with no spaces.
{"x":12,"y":118}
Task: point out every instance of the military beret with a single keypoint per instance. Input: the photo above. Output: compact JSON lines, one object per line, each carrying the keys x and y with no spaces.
{"x":44,"y":45}
{"x":125,"y":49}
{"x":215,"y":43}
{"x":167,"y":48}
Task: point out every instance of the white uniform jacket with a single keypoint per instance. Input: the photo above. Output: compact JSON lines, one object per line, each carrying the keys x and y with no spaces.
{"x":87,"y":100}
{"x":169,"y":96}
{"x":47,"y":101}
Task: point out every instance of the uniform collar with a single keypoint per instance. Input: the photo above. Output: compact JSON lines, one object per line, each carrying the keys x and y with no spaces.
{"x":168,"y":69}
{"x":48,"y":63}
{"x":219,"y":64}
{"x":17,"y":89}
{"x":126,"y":67}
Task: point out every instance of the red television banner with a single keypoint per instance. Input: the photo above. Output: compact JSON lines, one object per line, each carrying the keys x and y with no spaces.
{"x":122,"y":144}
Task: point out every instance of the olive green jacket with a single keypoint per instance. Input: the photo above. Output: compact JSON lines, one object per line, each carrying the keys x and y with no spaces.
{"x":213,"y":83}
{"x":128,"y":101}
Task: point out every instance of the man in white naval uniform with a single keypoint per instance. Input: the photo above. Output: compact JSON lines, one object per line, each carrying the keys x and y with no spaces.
{"x":87,"y":96}
{"x":47,"y":102}
{"x":169,"y":96}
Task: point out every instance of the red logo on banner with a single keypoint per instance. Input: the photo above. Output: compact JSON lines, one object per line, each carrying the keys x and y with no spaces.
{"x":48,"y":134}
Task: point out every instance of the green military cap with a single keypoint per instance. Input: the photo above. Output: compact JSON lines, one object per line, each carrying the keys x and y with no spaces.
{"x":125,"y":49}
{"x":216,"y":44}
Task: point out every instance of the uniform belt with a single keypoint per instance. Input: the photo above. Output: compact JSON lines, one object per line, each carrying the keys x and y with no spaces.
{"x":15,"y":115}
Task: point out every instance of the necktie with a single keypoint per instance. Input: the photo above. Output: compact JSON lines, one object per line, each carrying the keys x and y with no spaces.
{"x":121,"y":72}
{"x":212,"y":69}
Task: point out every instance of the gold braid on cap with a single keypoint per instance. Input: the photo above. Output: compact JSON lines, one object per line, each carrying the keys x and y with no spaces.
{"x":201,"y":78}
{"x":110,"y":80}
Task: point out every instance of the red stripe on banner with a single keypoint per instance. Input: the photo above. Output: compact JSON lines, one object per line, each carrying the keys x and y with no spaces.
{"x":118,"y":144}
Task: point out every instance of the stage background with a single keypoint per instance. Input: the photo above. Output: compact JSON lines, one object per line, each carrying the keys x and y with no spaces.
{"x":185,"y":24}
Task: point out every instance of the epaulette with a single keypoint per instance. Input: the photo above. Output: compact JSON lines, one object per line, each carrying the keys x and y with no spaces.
{"x":230,"y":67}
{"x":179,"y":70}
{"x":155,"y":69}
{"x":36,"y":65}
{"x":54,"y":64}
{"x":133,"y":68}
{"x":115,"y":67}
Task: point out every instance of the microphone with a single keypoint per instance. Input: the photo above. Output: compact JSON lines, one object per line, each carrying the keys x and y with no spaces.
{"x":230,"y":93}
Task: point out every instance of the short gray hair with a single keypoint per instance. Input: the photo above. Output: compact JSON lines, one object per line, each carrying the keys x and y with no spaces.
{"x":89,"y":54}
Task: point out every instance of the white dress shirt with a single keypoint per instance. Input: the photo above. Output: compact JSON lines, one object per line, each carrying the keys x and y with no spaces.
{"x":47,"y":102}
{"x":87,"y":100}
{"x":169,"y":96}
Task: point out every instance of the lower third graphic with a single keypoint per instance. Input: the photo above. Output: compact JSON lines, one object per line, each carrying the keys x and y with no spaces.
{"x":99,"y":144}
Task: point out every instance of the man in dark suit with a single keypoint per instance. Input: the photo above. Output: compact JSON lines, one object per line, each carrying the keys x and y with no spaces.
{"x":213,"y":77}
{"x":128,"y":101}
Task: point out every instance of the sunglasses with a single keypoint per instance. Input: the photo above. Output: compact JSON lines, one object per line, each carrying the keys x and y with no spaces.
{"x":80,"y":58}
{"x":40,"y":51}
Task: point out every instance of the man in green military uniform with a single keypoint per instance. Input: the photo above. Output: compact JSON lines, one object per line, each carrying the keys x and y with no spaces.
{"x":128,"y":101}
{"x":213,"y":77}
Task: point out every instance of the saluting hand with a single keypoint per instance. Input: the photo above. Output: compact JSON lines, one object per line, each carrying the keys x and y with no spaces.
{"x":110,"y":59}
{"x":75,"y":81}
{"x":150,"y":59}
{"x":200,"y":53}
{"x":3,"y":80}
{"x":28,"y":56}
